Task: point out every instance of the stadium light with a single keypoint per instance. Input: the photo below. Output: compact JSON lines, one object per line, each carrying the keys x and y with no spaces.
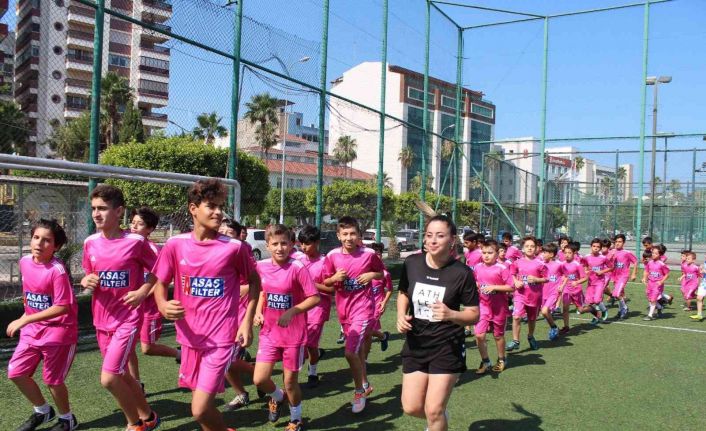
{"x":653,"y":80}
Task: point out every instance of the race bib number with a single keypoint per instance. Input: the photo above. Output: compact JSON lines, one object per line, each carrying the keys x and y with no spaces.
{"x":553,"y":278}
{"x":654,"y":275}
{"x":689,"y":276}
{"x":38,"y":301}
{"x":619,"y":265}
{"x":424,"y":296}
{"x":596,"y":268}
{"x":114,"y":279}
{"x":351,"y":285}
{"x":279,"y":301}
{"x":571,"y":277}
{"x":482,"y":287}
{"x":204,"y":287}
{"x":376,"y":290}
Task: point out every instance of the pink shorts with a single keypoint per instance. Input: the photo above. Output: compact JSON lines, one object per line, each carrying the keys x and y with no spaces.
{"x":204,"y":369}
{"x":292,"y":357}
{"x":594,"y":293}
{"x":313,"y":334}
{"x":619,"y":287}
{"x":521,"y":309}
{"x":574,"y":298}
{"x":150,"y":330}
{"x":550,"y":301}
{"x":56,"y":366}
{"x":355,"y":333}
{"x":497,"y":323}
{"x":689,"y":292}
{"x":116,"y":348}
{"x":654,"y":293}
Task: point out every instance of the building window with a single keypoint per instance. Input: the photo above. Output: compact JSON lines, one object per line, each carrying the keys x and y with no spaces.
{"x":120,"y":37}
{"x":481,"y":110}
{"x":300,"y":183}
{"x":78,"y":54}
{"x":448,"y":102}
{"x":417,"y":94}
{"x":118,"y":60}
{"x":76,"y":102}
{"x":298,"y":122}
{"x":154,"y":87}
{"x":154,"y":62}
{"x":290,"y":183}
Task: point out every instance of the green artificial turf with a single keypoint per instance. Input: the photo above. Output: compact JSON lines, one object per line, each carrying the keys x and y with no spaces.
{"x":618,"y":376}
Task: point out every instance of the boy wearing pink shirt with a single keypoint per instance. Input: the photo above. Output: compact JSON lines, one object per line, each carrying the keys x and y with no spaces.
{"x":309,"y":238}
{"x":597,"y":266}
{"x":288,"y":292}
{"x":207,"y":269}
{"x":529,"y":275}
{"x":114,"y":262}
{"x":572,"y":290}
{"x":622,"y":260}
{"x":350,"y":270}
{"x":552,"y":288}
{"x":691,"y":274}
{"x":473,"y":254}
{"x":48,"y":328}
{"x":382,"y":291}
{"x":494,"y":283}
{"x":563,"y":243}
{"x":656,"y":272}
{"x":512,"y":253}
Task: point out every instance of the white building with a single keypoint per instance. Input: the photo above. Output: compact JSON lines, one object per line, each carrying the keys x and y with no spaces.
{"x":54,"y":60}
{"x":404,"y":100}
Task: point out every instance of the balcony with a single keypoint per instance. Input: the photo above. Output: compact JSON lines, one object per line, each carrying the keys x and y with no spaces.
{"x":161,"y":51}
{"x":154,"y":70}
{"x":84,"y":63}
{"x":73,"y":110}
{"x":157,"y":10}
{"x":155,"y":120}
{"x":152,"y":97}
{"x":78,"y":38}
{"x":78,"y":87}
{"x":82,"y":15}
{"x":155,"y":36}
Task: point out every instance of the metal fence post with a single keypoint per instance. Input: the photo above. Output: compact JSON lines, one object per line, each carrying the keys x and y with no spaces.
{"x":235,"y":106}
{"x":96,"y":99}
{"x":542,"y":177}
{"x":457,"y":128}
{"x":615,"y":197}
{"x":641,"y":165}
{"x":425,"y":118}
{"x":693,"y":199}
{"x":322,"y":114}
{"x":381,"y":147}
{"x":20,"y":227}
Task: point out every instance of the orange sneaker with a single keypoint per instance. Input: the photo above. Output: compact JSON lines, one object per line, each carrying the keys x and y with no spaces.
{"x":152,"y":424}
{"x":136,"y":427}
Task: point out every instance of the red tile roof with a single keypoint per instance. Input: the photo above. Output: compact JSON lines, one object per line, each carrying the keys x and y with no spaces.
{"x":309,"y":169}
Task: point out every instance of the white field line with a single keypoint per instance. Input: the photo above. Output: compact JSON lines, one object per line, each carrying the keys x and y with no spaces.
{"x":671,"y":328}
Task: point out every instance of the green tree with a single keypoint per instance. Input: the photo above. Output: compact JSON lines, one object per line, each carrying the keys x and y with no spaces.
{"x":14,"y":129}
{"x":184,"y":155}
{"x":415,"y":184}
{"x":131,"y":127}
{"x":353,"y":198}
{"x":209,"y":126}
{"x":295,"y":205}
{"x":406,"y":157}
{"x":262,"y":111}
{"x":71,"y":141}
{"x":579,"y":163}
{"x":389,"y":229}
{"x":467,"y":214}
{"x":386,"y":180}
{"x":115,"y":95}
{"x":345,"y":151}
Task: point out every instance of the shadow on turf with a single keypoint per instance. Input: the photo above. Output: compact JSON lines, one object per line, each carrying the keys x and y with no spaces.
{"x":531,"y":422}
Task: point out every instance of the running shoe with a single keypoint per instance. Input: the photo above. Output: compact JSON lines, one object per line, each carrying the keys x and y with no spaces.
{"x":312,"y":381}
{"x":604,"y":316}
{"x":595,"y":321}
{"x":358,"y":403}
{"x":659,"y":312}
{"x":153,"y":422}
{"x":648,"y":318}
{"x":564,"y":330}
{"x":697,"y":318}
{"x":499,"y":367}
{"x":65,"y":424}
{"x":37,"y":419}
{"x":533,"y":343}
{"x":274,"y":409}
{"x":295,"y":425}
{"x":512,"y":345}
{"x":368,"y":390}
{"x":240,"y":400}
{"x":553,"y":333}
{"x":484,"y":367}
{"x":341,"y":339}
{"x":385,"y":341}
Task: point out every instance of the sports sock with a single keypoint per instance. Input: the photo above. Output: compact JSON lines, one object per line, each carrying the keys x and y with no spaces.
{"x":366,"y":385}
{"x":67,"y":417}
{"x":601,"y":306}
{"x":277,"y":394}
{"x":623,"y":305}
{"x":485,"y":361}
{"x":312,"y":369}
{"x":45,"y":409}
{"x":652,"y":310}
{"x":295,"y":412}
{"x":660,"y":306}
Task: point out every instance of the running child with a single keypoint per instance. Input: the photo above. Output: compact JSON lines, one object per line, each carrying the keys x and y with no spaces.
{"x":656,"y":272}
{"x":512,"y":253}
{"x":608,"y":251}
{"x":48,"y":329}
{"x":382,"y":291}
{"x":529,"y":275}
{"x":310,"y":238}
{"x":287,"y":294}
{"x":700,"y":294}
{"x":563,"y":242}
{"x":502,"y":250}
{"x":622,"y":260}
{"x":143,"y":222}
{"x":350,"y":270}
{"x":597,"y":266}
{"x":114,"y":261}
{"x":572,"y":289}
{"x":206,"y":268}
{"x":552,"y":289}
{"x":691,"y":274}
{"x":473,"y":254}
{"x":494,"y":283}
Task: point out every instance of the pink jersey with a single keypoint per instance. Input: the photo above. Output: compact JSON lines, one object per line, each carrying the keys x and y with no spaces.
{"x":497,"y":274}
{"x":206,"y":278}
{"x":656,"y":270}
{"x":283,"y":287}
{"x":149,"y":306}
{"x":245,"y":299}
{"x":119,"y":264}
{"x":354,"y":301}
{"x":560,"y":256}
{"x":692,"y":273}
{"x":622,"y":259}
{"x":594,"y":264}
{"x":523,"y":268}
{"x":296,"y":254}
{"x":322,"y":312}
{"x":573,"y":271}
{"x":473,"y":258}
{"x":43,"y":286}
{"x":513,"y":253}
{"x":555,"y":273}
{"x":381,"y":287}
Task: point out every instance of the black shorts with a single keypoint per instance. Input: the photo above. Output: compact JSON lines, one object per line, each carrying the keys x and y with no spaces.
{"x":446,"y":358}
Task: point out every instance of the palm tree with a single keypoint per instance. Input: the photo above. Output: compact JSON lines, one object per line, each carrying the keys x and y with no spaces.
{"x":674,"y":187}
{"x":606,"y":186}
{"x":656,"y":182}
{"x":579,"y":163}
{"x":389,"y":229}
{"x":115,"y":94}
{"x":262,"y":110}
{"x":209,"y":126}
{"x":345,"y":151}
{"x":386,"y":180}
{"x":415,"y":183}
{"x":406,"y":157}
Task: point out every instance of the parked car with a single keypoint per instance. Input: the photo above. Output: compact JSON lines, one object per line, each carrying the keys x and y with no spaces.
{"x":369,"y":238}
{"x":407,"y":239}
{"x":256,"y":239}
{"x":329,"y":241}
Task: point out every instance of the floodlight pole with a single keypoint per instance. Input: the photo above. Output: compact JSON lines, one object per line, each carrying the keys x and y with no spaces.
{"x":542,"y":178}
{"x":457,"y":131}
{"x":234,"y":107}
{"x":425,"y":118}
{"x":94,"y":136}
{"x":381,"y":146}
{"x":322,"y":114}
{"x":615,"y":198}
{"x":693,"y":199}
{"x":641,"y":165}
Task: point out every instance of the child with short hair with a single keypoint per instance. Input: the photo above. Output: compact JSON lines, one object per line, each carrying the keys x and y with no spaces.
{"x":656,"y":272}
{"x":473,"y":254}
{"x":563,"y":242}
{"x":207,"y":268}
{"x":622,"y":260}
{"x":310,"y":238}
{"x":700,"y":294}
{"x":597,"y":266}
{"x":552,"y":289}
{"x":494,"y":283}
{"x":691,"y":273}
{"x":287,"y":294}
{"x":48,"y":328}
{"x":382,"y":291}
{"x":114,"y":261}
{"x":572,"y":287}
{"x":350,"y":269}
{"x":513,"y":253}
{"x":529,"y":275}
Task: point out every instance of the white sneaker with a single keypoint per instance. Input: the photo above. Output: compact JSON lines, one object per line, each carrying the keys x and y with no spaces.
{"x":358,"y":403}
